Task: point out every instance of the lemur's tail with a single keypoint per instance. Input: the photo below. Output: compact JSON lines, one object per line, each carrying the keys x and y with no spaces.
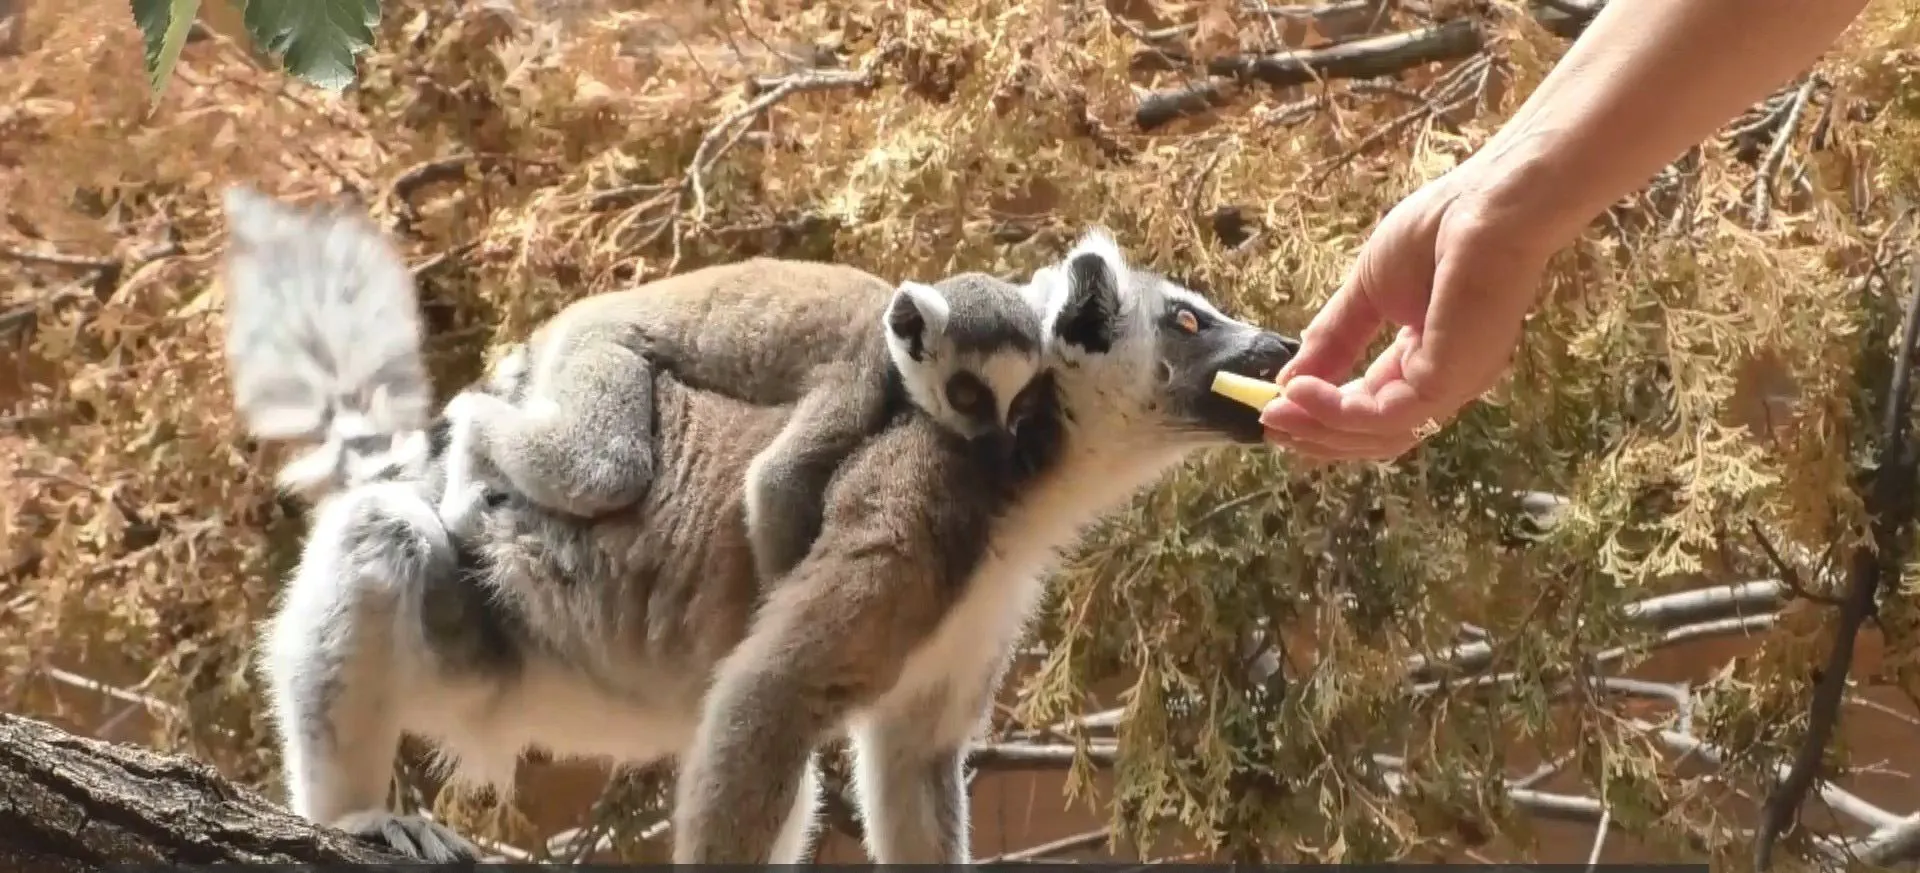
{"x":324,"y":342}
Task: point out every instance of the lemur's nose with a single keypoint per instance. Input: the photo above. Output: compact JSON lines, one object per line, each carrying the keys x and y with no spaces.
{"x":1271,"y":351}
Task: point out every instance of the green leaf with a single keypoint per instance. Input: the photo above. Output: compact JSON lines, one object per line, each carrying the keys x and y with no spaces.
{"x":163,"y":27}
{"x":317,"y":40}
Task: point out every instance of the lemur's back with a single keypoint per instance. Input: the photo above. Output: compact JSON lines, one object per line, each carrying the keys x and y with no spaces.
{"x":747,"y":328}
{"x":671,"y":580}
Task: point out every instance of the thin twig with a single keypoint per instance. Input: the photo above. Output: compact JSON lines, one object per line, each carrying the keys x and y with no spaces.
{"x":1788,"y":573}
{"x":102,"y":279}
{"x":711,"y":150}
{"x":400,"y":192}
{"x":1890,"y":504}
{"x":1763,"y":182}
{"x":1045,"y":851}
{"x":1600,"y":837}
{"x":58,"y":259}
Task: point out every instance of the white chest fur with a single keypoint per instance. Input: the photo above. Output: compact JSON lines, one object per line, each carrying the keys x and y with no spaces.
{"x":959,"y":667}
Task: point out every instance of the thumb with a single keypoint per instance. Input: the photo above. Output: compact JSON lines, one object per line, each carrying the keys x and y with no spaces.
{"x":1332,"y":343}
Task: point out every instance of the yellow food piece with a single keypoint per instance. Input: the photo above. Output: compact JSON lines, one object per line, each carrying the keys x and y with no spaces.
{"x":1252,"y":392}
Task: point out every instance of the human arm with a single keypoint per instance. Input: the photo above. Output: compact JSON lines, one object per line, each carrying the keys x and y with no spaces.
{"x":1457,"y":264}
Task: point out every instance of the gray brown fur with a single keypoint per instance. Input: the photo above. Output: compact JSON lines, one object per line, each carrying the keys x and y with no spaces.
{"x":579,"y":440}
{"x":990,"y":331}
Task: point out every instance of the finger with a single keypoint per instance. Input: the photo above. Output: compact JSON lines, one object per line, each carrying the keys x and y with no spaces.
{"x":1337,"y":336}
{"x":1463,"y":348}
{"x":1318,"y":454}
{"x":1304,"y":430}
{"x":1390,"y":365}
{"x":1386,"y":368}
{"x":1395,"y":408}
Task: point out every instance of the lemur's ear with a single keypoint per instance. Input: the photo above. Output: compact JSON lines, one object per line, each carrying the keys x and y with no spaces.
{"x":1088,"y":312}
{"x":916,"y":315}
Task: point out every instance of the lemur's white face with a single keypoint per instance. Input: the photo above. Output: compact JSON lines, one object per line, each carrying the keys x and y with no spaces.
{"x":1142,"y":351}
{"x":966,"y":348}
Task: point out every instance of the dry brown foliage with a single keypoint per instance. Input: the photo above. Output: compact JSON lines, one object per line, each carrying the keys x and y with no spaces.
{"x":1707,"y":365}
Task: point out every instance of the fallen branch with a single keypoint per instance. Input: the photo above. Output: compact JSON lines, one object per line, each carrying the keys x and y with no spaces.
{"x":1890,"y":504}
{"x":1685,"y":615}
{"x":73,"y":804}
{"x":57,"y":259}
{"x":1892,"y":844}
{"x":1360,"y":59}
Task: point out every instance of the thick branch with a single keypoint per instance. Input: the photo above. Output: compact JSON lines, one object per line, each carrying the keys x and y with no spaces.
{"x":1360,"y":59}
{"x":73,"y":804}
{"x":1385,"y":55}
{"x":1661,"y":612}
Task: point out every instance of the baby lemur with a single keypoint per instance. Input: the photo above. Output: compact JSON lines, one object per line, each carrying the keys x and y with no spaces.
{"x":577,"y":438}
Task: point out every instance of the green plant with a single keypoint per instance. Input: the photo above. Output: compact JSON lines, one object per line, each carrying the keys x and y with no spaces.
{"x":316,"y":40}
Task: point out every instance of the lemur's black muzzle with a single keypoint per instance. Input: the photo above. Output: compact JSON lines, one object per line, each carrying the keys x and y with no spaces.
{"x":1259,"y":355}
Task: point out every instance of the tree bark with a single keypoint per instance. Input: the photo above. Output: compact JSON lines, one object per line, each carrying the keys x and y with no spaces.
{"x":69,"y":803}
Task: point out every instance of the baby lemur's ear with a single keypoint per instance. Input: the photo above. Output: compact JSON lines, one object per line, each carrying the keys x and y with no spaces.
{"x":1086,"y":313}
{"x":916,"y":315}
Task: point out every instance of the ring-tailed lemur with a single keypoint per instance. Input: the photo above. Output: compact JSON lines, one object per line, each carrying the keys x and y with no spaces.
{"x":645,"y":634}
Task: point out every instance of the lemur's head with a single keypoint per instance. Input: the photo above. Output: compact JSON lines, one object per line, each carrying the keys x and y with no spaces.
{"x":1135,"y":354}
{"x":965,"y":347}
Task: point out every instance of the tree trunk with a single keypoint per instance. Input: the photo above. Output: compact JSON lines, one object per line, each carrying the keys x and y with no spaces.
{"x":69,"y":803}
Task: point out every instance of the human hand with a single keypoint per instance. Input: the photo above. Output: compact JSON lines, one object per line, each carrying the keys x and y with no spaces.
{"x":1457,"y":271}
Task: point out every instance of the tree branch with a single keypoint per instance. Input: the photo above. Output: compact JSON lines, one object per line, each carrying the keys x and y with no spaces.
{"x":1890,"y":504}
{"x":70,"y":804}
{"x":1360,"y":59}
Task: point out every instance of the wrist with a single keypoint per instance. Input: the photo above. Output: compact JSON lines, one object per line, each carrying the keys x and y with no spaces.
{"x":1529,"y":190}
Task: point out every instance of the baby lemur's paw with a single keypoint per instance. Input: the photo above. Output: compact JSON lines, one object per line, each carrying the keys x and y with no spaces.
{"x":504,"y":377}
{"x":461,"y":508}
{"x":411,"y":835}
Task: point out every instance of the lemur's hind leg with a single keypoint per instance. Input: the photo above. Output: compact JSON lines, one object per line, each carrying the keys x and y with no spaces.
{"x":797,"y":832}
{"x":579,"y":441}
{"x":787,"y":481}
{"x":337,"y":657}
{"x":910,"y":783}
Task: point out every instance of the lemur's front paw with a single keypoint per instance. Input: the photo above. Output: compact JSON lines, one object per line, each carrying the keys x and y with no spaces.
{"x":461,"y":407}
{"x":506,"y":374}
{"x":411,"y":835}
{"x":460,"y":508}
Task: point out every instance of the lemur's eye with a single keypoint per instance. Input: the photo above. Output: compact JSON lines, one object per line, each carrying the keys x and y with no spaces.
{"x":1187,"y":320}
{"x":968,"y":396}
